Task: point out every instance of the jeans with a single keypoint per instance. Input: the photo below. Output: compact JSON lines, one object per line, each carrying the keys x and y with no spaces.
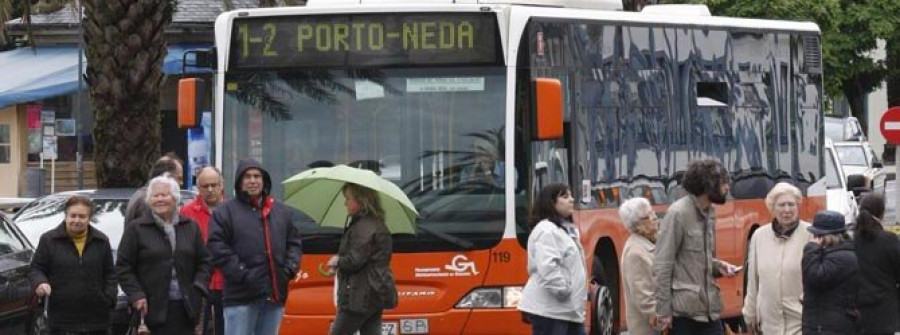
{"x":547,"y":326}
{"x":258,"y":318}
{"x":688,"y":326}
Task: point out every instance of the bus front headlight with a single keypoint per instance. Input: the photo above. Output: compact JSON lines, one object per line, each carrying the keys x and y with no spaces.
{"x":492,"y":297}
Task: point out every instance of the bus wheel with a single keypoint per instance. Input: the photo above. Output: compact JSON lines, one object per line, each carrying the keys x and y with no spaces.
{"x":605,"y":298}
{"x":602,"y":318}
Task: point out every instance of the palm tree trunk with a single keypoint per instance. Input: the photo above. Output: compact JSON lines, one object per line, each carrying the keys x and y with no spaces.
{"x":125,"y":49}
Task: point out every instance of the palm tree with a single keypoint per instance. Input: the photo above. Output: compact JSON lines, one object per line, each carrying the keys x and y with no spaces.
{"x":125,"y":48}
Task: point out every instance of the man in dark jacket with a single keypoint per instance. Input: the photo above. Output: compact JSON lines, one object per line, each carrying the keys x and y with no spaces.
{"x":76,"y":260}
{"x":255,"y":244}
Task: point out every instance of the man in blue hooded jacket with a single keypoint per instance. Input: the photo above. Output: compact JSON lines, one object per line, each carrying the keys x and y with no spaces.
{"x":257,"y":247}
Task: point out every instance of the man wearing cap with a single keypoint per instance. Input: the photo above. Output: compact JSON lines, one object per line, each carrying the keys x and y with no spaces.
{"x":830,"y":283}
{"x":684,"y":267}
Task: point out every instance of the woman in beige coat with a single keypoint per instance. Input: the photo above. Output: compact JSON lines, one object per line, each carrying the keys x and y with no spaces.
{"x":637,"y":265}
{"x":772,"y":306}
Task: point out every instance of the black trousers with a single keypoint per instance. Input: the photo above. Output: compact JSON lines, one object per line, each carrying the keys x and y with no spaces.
{"x":65,"y":332}
{"x":213,"y":314}
{"x":177,"y":321}
{"x":688,"y":326}
{"x":546,"y":326}
{"x":347,"y":323}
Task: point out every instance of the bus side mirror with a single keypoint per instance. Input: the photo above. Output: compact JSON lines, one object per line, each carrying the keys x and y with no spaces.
{"x":549,"y":111}
{"x":191,"y":92}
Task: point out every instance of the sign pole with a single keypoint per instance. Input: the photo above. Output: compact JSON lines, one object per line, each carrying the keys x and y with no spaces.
{"x":896,"y":192}
{"x":890,"y":129}
{"x":52,"y":176}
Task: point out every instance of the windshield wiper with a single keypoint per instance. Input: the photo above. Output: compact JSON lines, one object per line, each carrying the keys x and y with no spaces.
{"x":464,"y":244}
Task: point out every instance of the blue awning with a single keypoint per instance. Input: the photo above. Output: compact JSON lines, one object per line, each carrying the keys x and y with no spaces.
{"x":31,"y":74}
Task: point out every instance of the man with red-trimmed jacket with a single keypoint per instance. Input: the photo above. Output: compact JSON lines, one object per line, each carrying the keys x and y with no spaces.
{"x":210,"y":194}
{"x":253,"y":241}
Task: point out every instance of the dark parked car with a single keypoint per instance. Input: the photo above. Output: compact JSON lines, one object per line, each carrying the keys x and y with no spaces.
{"x":15,"y":291}
{"x":46,"y":213}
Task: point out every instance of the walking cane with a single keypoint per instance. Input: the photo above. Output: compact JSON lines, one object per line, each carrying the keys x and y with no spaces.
{"x":143,"y":329}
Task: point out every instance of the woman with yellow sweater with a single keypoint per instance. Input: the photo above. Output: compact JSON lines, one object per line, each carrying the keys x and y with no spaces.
{"x":73,"y":266}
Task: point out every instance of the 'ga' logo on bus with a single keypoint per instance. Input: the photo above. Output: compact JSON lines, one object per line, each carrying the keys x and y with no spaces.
{"x":460,"y":263}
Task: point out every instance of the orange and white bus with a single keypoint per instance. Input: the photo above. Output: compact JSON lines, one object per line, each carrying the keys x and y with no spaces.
{"x":471,"y":106}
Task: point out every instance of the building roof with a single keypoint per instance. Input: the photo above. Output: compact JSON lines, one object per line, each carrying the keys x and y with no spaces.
{"x":206,"y":11}
{"x":188,"y":12}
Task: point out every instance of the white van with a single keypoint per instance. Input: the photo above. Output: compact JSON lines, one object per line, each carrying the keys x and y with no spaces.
{"x":839,"y":187}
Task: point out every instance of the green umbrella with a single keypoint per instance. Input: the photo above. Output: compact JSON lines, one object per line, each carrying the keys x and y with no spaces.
{"x":317,"y":192}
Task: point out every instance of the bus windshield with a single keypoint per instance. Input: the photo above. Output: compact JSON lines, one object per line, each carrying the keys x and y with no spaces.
{"x":437,"y":132}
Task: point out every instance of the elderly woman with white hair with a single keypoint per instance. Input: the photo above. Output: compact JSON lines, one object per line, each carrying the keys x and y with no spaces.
{"x":162,"y":264}
{"x":637,"y":265}
{"x":773,"y":306}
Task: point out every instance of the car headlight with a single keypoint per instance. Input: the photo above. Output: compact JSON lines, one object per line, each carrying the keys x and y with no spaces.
{"x":492,"y":297}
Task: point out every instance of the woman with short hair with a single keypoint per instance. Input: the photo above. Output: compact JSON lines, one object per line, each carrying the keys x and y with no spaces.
{"x":74,"y":262}
{"x":774,"y":277}
{"x":637,"y":265}
{"x":162,"y":263}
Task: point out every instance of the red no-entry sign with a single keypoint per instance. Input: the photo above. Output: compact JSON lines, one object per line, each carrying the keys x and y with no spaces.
{"x":890,"y":125}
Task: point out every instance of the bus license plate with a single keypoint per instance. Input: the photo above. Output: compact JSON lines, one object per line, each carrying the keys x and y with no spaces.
{"x":414,"y":326}
{"x":389,"y":328}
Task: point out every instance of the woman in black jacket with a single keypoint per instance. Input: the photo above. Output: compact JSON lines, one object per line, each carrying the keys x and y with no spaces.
{"x":878,"y":253}
{"x":74,"y":262}
{"x":163,"y":266}
{"x":363,"y":264}
{"x":829,"y":278}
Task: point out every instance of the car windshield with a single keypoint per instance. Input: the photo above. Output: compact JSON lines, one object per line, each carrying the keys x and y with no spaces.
{"x":9,"y":243}
{"x":47,"y":213}
{"x":834,"y":130}
{"x":852,"y":155}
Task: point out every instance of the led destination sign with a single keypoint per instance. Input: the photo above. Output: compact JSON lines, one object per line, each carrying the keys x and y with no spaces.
{"x":364,"y":40}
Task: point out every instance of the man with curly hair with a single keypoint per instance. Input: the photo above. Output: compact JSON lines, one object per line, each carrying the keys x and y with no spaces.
{"x":684,"y":267}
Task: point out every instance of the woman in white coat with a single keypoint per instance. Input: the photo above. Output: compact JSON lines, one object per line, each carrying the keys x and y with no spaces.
{"x":554,"y":296}
{"x":637,"y":265}
{"x":772,"y":306}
